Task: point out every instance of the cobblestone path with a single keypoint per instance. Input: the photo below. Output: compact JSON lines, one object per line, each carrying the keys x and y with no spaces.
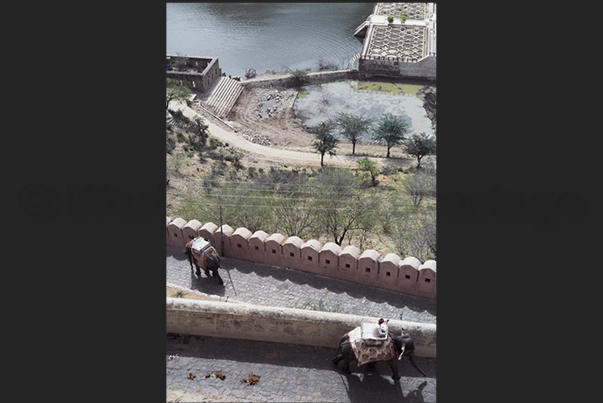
{"x":281,"y":287}
{"x":287,"y":373}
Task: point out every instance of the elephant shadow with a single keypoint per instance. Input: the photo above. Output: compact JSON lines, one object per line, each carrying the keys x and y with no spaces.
{"x":376,"y":387}
{"x":208,"y":285}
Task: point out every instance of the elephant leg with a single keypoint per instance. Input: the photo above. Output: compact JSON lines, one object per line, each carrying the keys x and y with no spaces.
{"x":198,"y":273}
{"x":393,"y":364}
{"x":346,"y":367}
{"x":217,"y":275}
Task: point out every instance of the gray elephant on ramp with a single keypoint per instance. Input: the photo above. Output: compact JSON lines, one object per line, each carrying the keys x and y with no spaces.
{"x":352,"y":348}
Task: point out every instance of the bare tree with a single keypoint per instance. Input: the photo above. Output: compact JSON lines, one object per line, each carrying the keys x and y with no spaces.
{"x":340,"y":206}
{"x":420,"y":145}
{"x":324,"y":139}
{"x":420,"y":185}
{"x":352,"y":126}
{"x":415,"y":235}
{"x":391,"y":131}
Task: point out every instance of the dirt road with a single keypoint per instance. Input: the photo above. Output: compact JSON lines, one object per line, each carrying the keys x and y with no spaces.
{"x":274,"y":130}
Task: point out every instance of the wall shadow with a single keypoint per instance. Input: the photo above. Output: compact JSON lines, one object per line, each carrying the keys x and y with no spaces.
{"x":175,"y":252}
{"x":334,"y":285}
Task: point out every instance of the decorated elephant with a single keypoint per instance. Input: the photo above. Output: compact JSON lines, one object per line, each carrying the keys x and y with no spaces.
{"x":210,"y":260}
{"x":352,"y":347}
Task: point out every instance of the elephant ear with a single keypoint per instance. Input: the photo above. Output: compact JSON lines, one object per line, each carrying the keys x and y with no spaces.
{"x":402,"y":351}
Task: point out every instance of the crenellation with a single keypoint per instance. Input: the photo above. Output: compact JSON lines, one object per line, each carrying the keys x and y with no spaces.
{"x":368,"y":267}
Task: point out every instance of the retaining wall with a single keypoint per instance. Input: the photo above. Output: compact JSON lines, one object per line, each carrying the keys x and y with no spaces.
{"x":392,"y":67}
{"x":390,"y":272}
{"x":319,"y":77}
{"x":280,"y":325}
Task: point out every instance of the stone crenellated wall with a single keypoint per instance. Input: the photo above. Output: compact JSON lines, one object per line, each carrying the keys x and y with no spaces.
{"x":369,"y":267}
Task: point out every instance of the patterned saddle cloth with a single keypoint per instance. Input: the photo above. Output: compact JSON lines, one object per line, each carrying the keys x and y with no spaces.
{"x":201,"y":250}
{"x":369,"y":350}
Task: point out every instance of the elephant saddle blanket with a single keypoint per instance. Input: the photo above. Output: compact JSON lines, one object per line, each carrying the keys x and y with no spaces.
{"x":369,"y":350}
{"x":201,"y":249}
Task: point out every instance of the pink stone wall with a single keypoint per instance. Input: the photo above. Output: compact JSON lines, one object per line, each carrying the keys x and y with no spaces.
{"x":292,"y":252}
{"x":310,"y":255}
{"x":239,"y":243}
{"x":207,"y":231}
{"x":191,"y":230}
{"x":390,"y":272}
{"x":368,"y":267}
{"x":176,"y":238}
{"x":274,"y":249}
{"x":257,"y":249}
{"x":328,"y":261}
{"x":347,"y":268}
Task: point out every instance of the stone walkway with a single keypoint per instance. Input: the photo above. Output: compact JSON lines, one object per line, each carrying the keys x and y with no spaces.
{"x":285,"y":373}
{"x":281,"y":287}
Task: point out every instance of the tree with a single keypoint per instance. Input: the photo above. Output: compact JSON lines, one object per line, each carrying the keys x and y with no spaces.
{"x":324,"y":139}
{"x":180,"y":63}
{"x":420,"y":185}
{"x":369,"y":166}
{"x":174,"y":91}
{"x":174,"y":163}
{"x":391,"y":131}
{"x":420,"y":145}
{"x":352,"y":126}
{"x":415,"y":235}
{"x":340,"y":206}
{"x":299,"y":77}
{"x":295,"y":217}
{"x":199,"y":133}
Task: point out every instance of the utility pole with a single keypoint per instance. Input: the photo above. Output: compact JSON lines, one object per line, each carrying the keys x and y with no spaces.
{"x":221,"y":234}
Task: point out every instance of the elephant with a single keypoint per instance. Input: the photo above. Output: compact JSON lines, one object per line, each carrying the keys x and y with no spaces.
{"x":404,"y":345}
{"x":211,"y":264}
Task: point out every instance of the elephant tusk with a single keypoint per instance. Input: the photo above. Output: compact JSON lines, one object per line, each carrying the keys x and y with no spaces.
{"x":402,"y":352}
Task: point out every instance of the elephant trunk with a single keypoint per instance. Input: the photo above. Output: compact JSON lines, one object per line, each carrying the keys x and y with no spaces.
{"x":411,"y":357}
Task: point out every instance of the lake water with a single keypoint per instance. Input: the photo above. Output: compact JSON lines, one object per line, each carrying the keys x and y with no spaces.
{"x":266,"y":36}
{"x":316,"y":103}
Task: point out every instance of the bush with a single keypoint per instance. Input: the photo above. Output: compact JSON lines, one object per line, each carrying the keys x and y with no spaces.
{"x":169,"y":145}
{"x":214,"y":143}
{"x":180,"y":63}
{"x":299,"y":77}
{"x":179,"y":116}
{"x":390,"y":170}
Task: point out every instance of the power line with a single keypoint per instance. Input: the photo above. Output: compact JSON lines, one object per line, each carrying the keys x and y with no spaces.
{"x":224,"y":196}
{"x":414,"y":209}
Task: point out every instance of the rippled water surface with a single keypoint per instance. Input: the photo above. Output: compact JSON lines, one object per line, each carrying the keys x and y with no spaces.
{"x":364,"y":98}
{"x":266,"y":36}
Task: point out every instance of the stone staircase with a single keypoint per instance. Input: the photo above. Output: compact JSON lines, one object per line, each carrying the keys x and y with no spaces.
{"x":224,"y":96}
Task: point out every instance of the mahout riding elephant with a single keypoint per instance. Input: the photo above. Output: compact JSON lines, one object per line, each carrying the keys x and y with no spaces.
{"x":210,"y":265}
{"x":404,"y":346}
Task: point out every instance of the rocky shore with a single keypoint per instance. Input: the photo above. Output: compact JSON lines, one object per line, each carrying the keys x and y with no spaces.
{"x":429,"y":103}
